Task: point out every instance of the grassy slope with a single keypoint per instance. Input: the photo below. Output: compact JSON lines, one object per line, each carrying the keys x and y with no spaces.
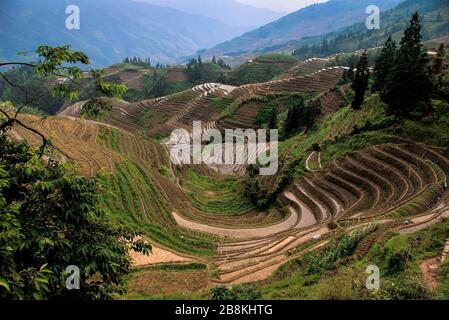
{"x":340,"y":133}
{"x":434,"y":14}
{"x":347,"y":130}
{"x":261,"y":69}
{"x":216,"y":196}
{"x":135,"y":200}
{"x":343,"y":277}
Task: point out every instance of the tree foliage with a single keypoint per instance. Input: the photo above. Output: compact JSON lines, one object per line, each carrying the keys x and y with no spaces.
{"x":299,"y":116}
{"x":360,"y":81}
{"x":50,"y":217}
{"x":408,"y":86}
{"x":384,"y":63}
{"x":267,"y":117}
{"x":195,"y":69}
{"x":96,"y":109}
{"x":439,"y":74}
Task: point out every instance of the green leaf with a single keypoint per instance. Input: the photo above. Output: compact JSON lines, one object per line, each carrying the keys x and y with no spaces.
{"x":4,"y":284}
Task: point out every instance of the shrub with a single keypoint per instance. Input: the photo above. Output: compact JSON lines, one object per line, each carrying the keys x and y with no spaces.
{"x":235,"y":293}
{"x":51,"y":218}
{"x":96,"y":109}
{"x":443,"y":286}
{"x":405,"y":287}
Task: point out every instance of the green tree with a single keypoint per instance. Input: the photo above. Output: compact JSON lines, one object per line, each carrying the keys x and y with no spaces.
{"x":360,"y":82}
{"x":294,"y":113}
{"x":348,"y":75}
{"x":384,"y":64}
{"x":408,"y":86}
{"x":50,"y":217}
{"x":96,"y":109}
{"x":299,"y":115}
{"x":438,"y":71}
{"x":200,"y":69}
{"x":438,"y":64}
{"x":273,"y":118}
{"x":267,"y":117}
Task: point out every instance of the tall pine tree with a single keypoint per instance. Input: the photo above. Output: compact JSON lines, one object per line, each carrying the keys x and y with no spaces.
{"x":273,"y":118}
{"x":384,"y":64}
{"x":439,"y":73}
{"x":360,"y":82}
{"x":438,"y":64}
{"x":295,"y":113}
{"x":408,"y":86}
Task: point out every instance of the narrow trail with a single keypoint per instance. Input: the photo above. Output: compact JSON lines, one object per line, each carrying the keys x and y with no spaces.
{"x":235,"y":233}
{"x":316,"y":155}
{"x":362,"y":188}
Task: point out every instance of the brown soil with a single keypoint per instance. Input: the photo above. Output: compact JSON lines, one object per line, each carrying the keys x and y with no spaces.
{"x":429,"y":269}
{"x":287,"y":224}
{"x":157,"y":256}
{"x":176,"y":75}
{"x":132,"y":79}
{"x":164,"y":283}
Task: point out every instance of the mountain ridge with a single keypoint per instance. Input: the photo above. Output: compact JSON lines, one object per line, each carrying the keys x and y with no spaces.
{"x":229,"y":12}
{"x":110,"y":30}
{"x":333,"y":15}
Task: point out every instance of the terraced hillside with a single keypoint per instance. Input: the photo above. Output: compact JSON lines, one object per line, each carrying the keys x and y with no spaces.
{"x":139,"y":184}
{"x":262,"y":68}
{"x":383,"y":184}
{"x":74,"y":140}
{"x":210,"y":103}
{"x":305,"y":67}
{"x":203,"y":214}
{"x":378,"y":185}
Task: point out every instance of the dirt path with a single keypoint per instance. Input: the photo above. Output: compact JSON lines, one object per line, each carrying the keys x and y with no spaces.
{"x":264,"y":273}
{"x":287,"y":224}
{"x":445,"y":251}
{"x":314,"y":157}
{"x":157,"y":256}
{"x":423,"y":222}
{"x":307,"y":217}
{"x":429,"y":269}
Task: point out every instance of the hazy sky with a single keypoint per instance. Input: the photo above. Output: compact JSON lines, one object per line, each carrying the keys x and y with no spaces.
{"x":281,"y":5}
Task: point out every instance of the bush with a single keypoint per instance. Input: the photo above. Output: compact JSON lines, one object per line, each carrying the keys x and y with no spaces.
{"x":96,"y":109}
{"x":51,"y":218}
{"x":443,"y":286}
{"x":405,"y":287}
{"x":235,"y":293}
{"x":395,"y":254}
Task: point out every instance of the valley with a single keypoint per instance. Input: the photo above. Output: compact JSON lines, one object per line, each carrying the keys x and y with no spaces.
{"x":196,"y":214}
{"x":99,"y":168}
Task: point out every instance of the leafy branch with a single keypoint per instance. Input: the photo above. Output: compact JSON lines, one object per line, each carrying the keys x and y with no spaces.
{"x":59,"y":62}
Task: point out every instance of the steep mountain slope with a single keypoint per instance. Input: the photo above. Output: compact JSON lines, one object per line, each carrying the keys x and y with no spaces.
{"x":435,"y":23}
{"x":310,"y":21}
{"x":229,"y":12}
{"x":110,"y":30}
{"x":368,"y":179}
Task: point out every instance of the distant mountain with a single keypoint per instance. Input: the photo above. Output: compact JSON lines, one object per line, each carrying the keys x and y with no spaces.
{"x":229,"y":12}
{"x":310,"y":21}
{"x":434,"y":18}
{"x":110,"y":29}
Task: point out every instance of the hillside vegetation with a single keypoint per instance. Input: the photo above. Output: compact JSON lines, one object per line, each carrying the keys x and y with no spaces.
{"x":434,"y":15}
{"x":110,"y":30}
{"x":362,"y":179}
{"x":310,"y":21}
{"x":261,"y":69}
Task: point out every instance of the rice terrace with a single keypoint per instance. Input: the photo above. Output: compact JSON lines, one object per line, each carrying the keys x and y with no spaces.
{"x":357,"y":208}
